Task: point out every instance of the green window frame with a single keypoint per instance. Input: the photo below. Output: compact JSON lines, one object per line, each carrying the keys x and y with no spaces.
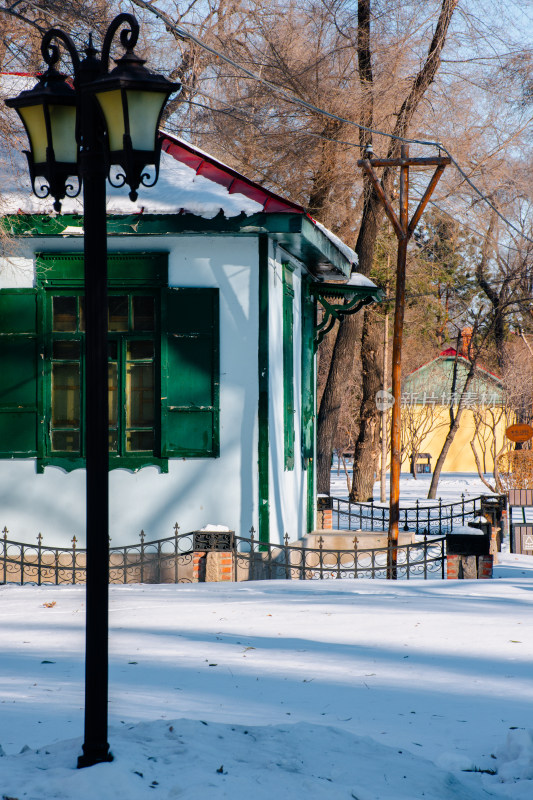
{"x":288,"y":366}
{"x":134,"y":383}
{"x":164,"y":365}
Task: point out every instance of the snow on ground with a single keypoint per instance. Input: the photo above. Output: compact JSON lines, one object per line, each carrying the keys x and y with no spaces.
{"x":450,"y":488}
{"x":364,"y":689}
{"x":355,"y":689}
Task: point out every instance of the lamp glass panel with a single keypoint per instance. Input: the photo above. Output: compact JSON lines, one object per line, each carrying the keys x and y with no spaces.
{"x":63,"y":125}
{"x":144,"y":109}
{"x":34,"y":122}
{"x":111,"y":105}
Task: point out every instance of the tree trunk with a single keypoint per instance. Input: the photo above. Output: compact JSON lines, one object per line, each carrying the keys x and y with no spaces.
{"x":366,"y":450}
{"x":478,"y":466}
{"x":340,"y":373}
{"x":384,"y":439}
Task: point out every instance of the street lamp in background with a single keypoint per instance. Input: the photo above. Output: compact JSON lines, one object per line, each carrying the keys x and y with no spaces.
{"x":102,"y":124}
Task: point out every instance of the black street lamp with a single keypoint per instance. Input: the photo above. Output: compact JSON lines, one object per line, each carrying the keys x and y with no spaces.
{"x":104,"y":124}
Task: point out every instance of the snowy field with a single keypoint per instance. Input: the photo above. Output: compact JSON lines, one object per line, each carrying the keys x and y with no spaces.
{"x":450,"y":488}
{"x":356,"y":690}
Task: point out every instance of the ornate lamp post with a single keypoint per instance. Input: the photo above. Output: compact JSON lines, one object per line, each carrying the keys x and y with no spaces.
{"x":104,"y":125}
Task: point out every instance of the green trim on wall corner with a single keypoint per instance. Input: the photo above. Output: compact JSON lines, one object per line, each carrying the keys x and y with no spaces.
{"x":308,"y":399}
{"x":263,"y":367}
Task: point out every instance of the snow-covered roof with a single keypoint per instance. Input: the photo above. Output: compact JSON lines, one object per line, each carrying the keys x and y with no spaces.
{"x":190,"y":181}
{"x":347,"y":252}
{"x":357,"y":279}
{"x":177,"y":190}
{"x":13,"y":83}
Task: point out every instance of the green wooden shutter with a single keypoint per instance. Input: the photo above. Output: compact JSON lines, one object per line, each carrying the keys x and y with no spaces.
{"x":288,"y":367}
{"x":308,"y":399}
{"x":18,"y":371}
{"x":308,"y":375}
{"x":190,"y":373}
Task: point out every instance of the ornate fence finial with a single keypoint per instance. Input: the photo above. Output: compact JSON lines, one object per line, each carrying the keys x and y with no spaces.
{"x":39,"y":539}
{"x":5,"y":532}
{"x":74,"y":540}
{"x":141,"y":536}
{"x":176,"y":529}
{"x":286,"y":539}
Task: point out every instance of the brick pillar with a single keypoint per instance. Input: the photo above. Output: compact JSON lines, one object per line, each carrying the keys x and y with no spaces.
{"x":452,"y":567}
{"x":213,"y":555}
{"x":468,"y":567}
{"x":484,"y":566}
{"x":324,"y":513}
{"x":212,"y":566}
{"x":198,"y":567}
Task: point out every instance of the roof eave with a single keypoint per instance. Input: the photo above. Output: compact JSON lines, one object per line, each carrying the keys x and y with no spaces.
{"x":293,"y":231}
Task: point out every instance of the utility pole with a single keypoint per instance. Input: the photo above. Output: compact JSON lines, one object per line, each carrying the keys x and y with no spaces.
{"x":403,"y":229}
{"x":383,"y":471}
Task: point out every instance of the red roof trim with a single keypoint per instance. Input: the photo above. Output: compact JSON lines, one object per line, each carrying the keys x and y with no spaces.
{"x":23,"y":74}
{"x":215,"y":171}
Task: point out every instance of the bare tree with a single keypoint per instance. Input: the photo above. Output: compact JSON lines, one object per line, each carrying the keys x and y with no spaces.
{"x":488,"y":424}
{"x":418,"y":421}
{"x":367,"y":444}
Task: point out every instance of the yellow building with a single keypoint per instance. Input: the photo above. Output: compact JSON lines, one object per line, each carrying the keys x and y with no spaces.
{"x":428,"y":395}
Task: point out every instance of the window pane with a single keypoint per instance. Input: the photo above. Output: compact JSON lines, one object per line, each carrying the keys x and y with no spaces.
{"x":64,"y":313}
{"x":81,"y":301}
{"x":143,"y":314}
{"x":118,"y":313}
{"x":113,"y":439}
{"x":140,"y":440}
{"x":65,"y":395}
{"x":112,"y":394}
{"x":140,"y":395}
{"x":67,"y":350}
{"x":66,"y":441}
{"x":140,"y":350}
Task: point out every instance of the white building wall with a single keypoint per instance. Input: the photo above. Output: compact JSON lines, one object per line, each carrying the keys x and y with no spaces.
{"x":287,"y":488}
{"x":195,"y":492}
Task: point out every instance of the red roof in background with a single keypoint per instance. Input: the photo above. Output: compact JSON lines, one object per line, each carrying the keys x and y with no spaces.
{"x":209,"y":167}
{"x":449,"y":352}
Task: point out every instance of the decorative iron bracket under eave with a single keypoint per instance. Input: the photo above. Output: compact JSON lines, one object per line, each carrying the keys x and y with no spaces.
{"x":355,"y":298}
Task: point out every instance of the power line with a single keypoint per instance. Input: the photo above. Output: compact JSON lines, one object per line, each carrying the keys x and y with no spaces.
{"x":184,"y":34}
{"x":228,"y":111}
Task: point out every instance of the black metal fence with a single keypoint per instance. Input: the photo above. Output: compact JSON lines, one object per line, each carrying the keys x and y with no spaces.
{"x":265,"y":561}
{"x":424,"y":517}
{"x":171,"y":560}
{"x":161,"y":561}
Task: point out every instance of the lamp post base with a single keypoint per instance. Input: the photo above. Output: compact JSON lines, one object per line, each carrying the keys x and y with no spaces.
{"x":97,"y":754}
